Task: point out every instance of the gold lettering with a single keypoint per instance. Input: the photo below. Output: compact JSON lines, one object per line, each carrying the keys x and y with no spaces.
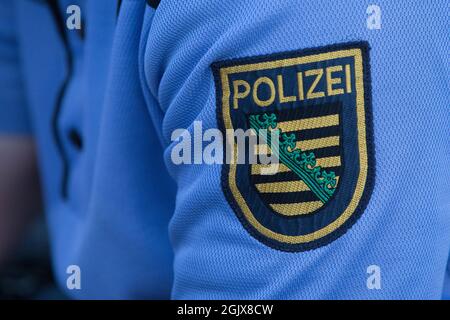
{"x":311,"y":94}
{"x":331,"y":81}
{"x":239,"y":95}
{"x":283,"y":98}
{"x":258,"y":82}
{"x":348,"y":79}
{"x":301,"y":93}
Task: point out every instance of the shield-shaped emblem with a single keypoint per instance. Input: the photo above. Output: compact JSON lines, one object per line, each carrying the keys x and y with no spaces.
{"x":317,"y":101}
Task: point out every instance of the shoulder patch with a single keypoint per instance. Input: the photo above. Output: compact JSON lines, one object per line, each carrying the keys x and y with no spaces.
{"x":319,"y":101}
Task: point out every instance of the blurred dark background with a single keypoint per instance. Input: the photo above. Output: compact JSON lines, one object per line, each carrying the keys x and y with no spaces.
{"x":27,"y":274}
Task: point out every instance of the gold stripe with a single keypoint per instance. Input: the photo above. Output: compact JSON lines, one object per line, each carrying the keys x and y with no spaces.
{"x":256,"y":168}
{"x":284,"y":186}
{"x":362,"y":147}
{"x":262,"y":149}
{"x":295,"y":209}
{"x":318,"y":143}
{"x":326,"y":162}
{"x":309,"y":123}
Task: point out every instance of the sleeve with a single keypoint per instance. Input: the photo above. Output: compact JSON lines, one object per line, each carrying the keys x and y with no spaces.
{"x":330,"y":222}
{"x":13,"y":112}
{"x":446,"y":287}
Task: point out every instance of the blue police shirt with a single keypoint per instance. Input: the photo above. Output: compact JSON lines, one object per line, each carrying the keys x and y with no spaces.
{"x":103,"y":103}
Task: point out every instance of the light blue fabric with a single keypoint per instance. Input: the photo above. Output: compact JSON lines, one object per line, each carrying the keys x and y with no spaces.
{"x":113,"y":224}
{"x":406,"y":227}
{"x":137,"y":79}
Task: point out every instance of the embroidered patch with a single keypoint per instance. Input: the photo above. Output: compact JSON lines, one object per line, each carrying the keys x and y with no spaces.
{"x":318,"y":102}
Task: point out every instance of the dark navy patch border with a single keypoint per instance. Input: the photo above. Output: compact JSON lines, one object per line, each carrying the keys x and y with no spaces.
{"x":370,"y":176}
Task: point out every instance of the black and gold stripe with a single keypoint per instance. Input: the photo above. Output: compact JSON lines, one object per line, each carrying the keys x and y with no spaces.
{"x":317,"y":130}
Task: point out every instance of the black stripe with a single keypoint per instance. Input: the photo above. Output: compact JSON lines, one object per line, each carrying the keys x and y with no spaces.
{"x":314,"y":111}
{"x":322,"y":152}
{"x":317,"y":133}
{"x":153,"y":3}
{"x":59,"y":22}
{"x":286,"y":176}
{"x":289,"y":197}
{"x":326,"y":152}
